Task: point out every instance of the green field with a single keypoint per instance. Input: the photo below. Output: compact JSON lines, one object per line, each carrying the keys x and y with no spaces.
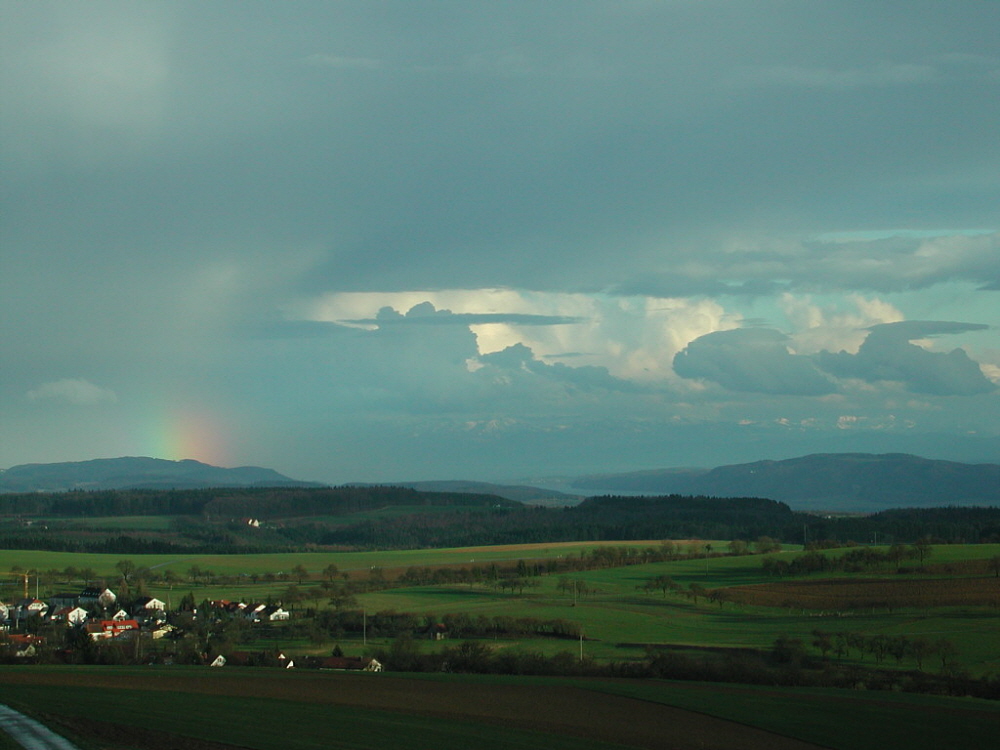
{"x":617,"y":618}
{"x":274,"y":709}
{"x":313,"y":561}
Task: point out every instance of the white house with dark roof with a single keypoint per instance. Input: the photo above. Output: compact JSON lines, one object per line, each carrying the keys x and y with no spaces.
{"x":101,"y":596}
{"x":69,"y":615}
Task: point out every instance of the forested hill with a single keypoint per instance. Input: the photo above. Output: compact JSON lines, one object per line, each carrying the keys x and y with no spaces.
{"x":137,"y":472}
{"x":857,"y":482}
{"x":285,"y":519}
{"x":236,"y":502}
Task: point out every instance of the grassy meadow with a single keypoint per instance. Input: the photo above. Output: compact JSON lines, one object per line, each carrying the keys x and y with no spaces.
{"x":619,"y":620}
{"x":314,"y":562}
{"x":620,"y":617}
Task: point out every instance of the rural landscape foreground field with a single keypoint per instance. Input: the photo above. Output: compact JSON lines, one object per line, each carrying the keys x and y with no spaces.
{"x":754,"y":649}
{"x":349,"y":617}
{"x":204,"y":709}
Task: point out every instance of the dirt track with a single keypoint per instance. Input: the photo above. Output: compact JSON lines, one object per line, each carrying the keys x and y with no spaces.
{"x":557,"y":709}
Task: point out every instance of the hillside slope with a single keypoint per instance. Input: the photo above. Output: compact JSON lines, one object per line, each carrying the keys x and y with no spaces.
{"x":137,"y":473}
{"x":830,"y":481}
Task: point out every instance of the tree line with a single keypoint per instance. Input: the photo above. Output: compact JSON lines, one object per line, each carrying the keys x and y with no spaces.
{"x":209,"y":521}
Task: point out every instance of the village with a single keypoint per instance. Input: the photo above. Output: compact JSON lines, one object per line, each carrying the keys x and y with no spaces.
{"x":94,"y":625}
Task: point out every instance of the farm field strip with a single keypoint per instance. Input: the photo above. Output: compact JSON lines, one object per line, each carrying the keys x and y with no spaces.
{"x":312,"y":561}
{"x":614,"y":612}
{"x":371,"y":711}
{"x":445,"y":711}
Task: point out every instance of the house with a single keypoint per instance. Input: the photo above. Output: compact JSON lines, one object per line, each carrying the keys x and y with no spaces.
{"x":163,"y":629}
{"x":439,"y":632}
{"x":252,"y":611}
{"x":351,"y":663}
{"x":70,"y":615}
{"x":95,"y":631}
{"x":272,"y":614}
{"x":59,"y":601}
{"x":149,"y":610}
{"x":228,"y":607}
{"x":265,"y":612}
{"x":117,"y":627}
{"x":23,"y":646}
{"x":145,"y":604}
{"x":31,"y":607}
{"x":112,"y":629}
{"x":102,"y":597}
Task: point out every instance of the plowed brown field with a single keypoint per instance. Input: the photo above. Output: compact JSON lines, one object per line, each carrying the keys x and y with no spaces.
{"x":854,"y":593}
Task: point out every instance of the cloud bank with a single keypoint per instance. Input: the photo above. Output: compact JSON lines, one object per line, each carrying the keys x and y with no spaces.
{"x":495,"y":238}
{"x":888,"y":355}
{"x":73,"y":391}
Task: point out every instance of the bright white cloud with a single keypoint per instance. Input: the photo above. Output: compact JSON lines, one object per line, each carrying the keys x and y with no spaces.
{"x":834,"y":327}
{"x":634,"y":338}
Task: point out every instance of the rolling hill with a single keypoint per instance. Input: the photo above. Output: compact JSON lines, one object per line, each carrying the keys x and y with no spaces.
{"x":137,"y":473}
{"x":862,"y":482}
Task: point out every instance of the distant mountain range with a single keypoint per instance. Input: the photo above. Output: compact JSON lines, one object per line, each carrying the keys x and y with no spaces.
{"x":137,"y":473}
{"x":848,"y":482}
{"x":832,"y":481}
{"x":161,"y":474}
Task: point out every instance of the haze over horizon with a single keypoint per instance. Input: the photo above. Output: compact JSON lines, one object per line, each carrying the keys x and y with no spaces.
{"x":426,"y":239}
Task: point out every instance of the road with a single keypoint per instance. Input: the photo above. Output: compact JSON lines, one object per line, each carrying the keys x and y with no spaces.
{"x":29,"y":734}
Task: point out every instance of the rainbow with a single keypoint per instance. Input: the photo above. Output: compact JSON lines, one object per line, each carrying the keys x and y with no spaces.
{"x":189,"y":432}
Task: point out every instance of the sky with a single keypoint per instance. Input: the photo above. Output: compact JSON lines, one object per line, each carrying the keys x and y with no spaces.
{"x":397,"y":240}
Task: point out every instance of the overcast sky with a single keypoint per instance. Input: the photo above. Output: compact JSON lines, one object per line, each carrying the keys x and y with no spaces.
{"x":425,"y":239}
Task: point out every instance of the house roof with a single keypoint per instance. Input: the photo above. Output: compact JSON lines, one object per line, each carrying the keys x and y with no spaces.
{"x":65,"y":611}
{"x":115,"y":625}
{"x":21,"y":639}
{"x":98,"y":594}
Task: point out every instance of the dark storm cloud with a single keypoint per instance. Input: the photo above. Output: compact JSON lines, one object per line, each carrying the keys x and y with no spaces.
{"x":752,"y":359}
{"x":888,"y":355}
{"x":180,"y":180}
{"x":519,"y":359}
{"x":893,"y":264}
{"x":426,"y":314}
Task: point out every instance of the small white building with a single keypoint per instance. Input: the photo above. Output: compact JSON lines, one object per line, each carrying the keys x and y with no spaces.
{"x":103,"y":597}
{"x":70,"y":615}
{"x":266,"y":613}
{"x":146,"y":604}
{"x":30,"y":608}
